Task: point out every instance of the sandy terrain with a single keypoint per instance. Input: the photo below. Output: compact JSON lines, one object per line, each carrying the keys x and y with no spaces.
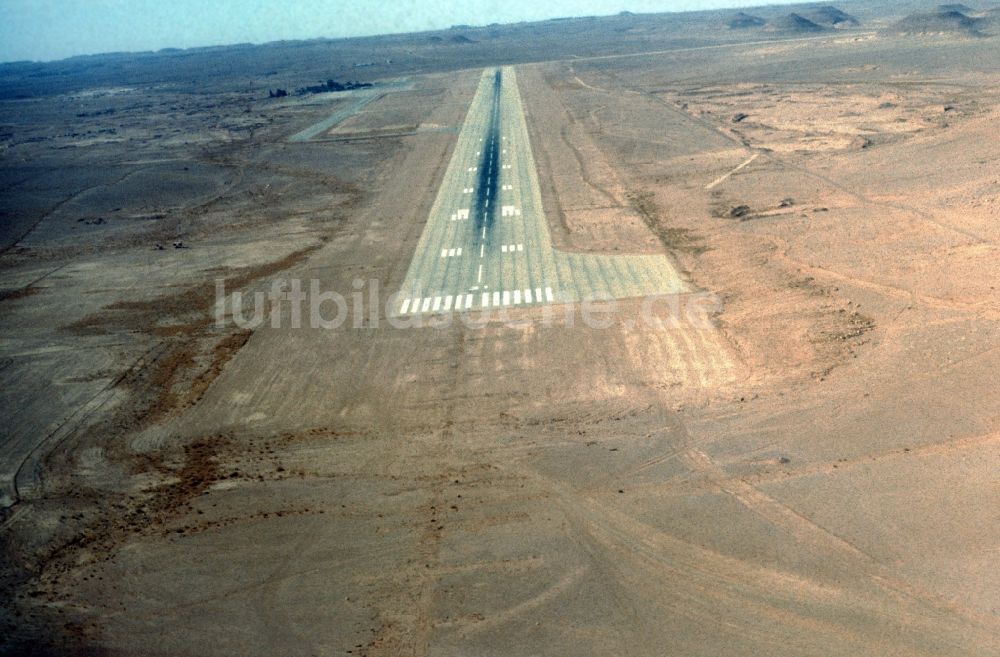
{"x":814,"y":473}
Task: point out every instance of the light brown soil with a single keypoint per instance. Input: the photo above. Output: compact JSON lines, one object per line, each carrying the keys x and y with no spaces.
{"x":814,"y":474}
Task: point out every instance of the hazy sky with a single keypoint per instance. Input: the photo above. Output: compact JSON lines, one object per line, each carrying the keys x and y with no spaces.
{"x":53,"y":29}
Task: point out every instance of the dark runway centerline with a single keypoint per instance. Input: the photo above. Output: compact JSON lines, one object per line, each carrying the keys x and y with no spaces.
{"x":489,"y":169}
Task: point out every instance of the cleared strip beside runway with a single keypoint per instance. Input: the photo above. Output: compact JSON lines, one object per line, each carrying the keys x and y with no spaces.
{"x":486,"y":243}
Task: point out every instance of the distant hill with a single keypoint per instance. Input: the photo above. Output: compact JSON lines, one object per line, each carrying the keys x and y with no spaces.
{"x":939,"y":22}
{"x":964,"y":9}
{"x":831,"y":16}
{"x":459,"y":39}
{"x":742,"y":21}
{"x":795,"y":23}
{"x":991,"y":20}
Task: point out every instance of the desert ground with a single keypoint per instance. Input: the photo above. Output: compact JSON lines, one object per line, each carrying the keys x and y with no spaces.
{"x":811,"y":469}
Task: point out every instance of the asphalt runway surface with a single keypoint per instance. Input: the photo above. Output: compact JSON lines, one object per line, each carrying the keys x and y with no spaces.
{"x":486,"y":243}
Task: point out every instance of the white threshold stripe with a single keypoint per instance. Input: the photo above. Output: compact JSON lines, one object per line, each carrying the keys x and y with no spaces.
{"x":466,"y":302}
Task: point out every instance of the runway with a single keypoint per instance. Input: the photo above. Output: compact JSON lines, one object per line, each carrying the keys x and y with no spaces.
{"x":486,"y":243}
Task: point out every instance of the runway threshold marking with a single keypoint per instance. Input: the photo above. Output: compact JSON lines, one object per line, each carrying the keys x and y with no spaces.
{"x":467,"y":302}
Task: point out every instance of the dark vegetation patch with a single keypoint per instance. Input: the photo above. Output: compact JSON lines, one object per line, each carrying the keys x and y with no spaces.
{"x":178,"y":372}
{"x":94,"y":524}
{"x":675,"y":239}
{"x":18,"y":293}
{"x":179,"y":313}
{"x":839,"y":328}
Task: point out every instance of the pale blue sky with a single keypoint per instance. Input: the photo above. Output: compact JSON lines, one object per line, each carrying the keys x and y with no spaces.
{"x":53,"y":29}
